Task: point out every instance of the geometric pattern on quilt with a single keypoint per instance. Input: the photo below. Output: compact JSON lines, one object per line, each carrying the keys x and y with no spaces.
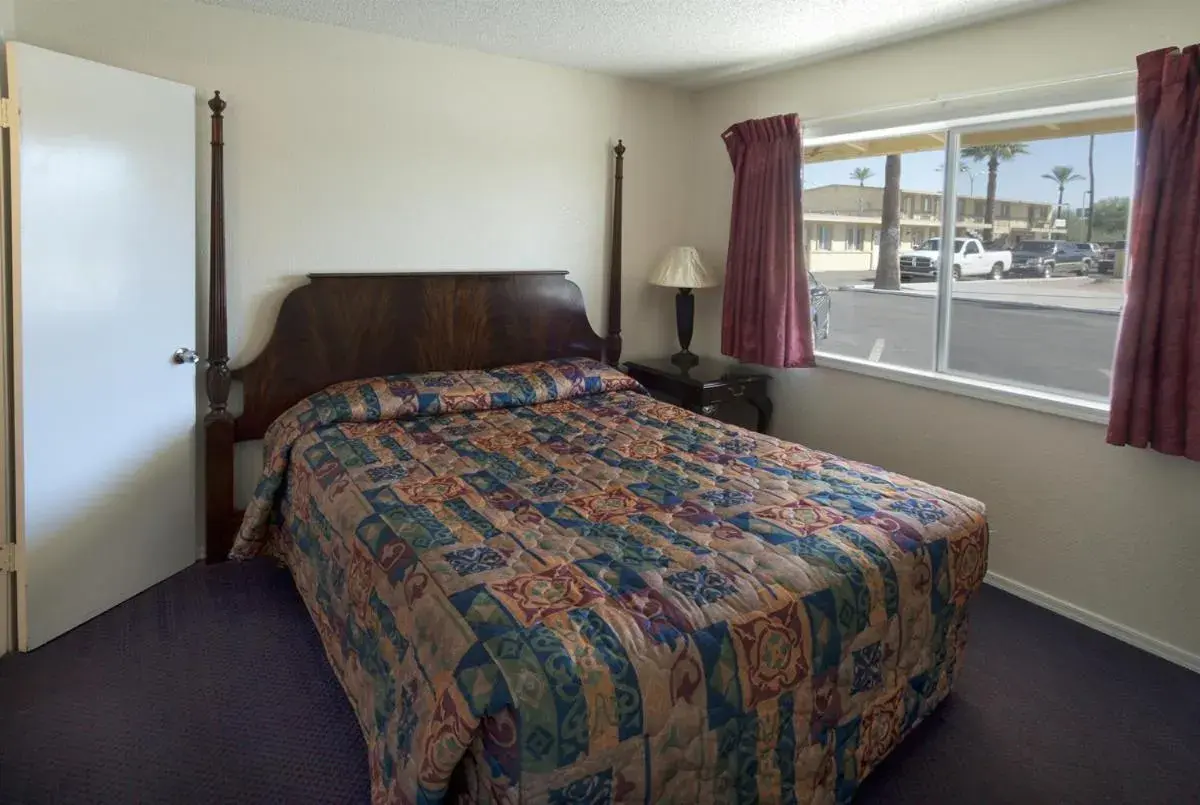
{"x":540,"y":583}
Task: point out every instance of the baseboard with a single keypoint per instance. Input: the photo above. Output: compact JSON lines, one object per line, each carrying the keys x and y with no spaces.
{"x":1101,"y":624}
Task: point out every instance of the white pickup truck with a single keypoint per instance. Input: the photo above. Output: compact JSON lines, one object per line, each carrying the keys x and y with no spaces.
{"x":970,"y":260}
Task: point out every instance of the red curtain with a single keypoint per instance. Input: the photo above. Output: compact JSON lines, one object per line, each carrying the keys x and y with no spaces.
{"x":765,"y":319}
{"x":1156,"y":375}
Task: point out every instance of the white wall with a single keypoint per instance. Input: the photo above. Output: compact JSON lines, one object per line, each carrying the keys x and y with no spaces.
{"x":348,"y":151}
{"x":1113,"y":531}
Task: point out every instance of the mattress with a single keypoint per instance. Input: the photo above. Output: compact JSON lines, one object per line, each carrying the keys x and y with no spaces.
{"x":538,"y":584}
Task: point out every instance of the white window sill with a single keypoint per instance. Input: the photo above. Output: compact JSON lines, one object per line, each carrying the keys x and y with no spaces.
{"x":1043,"y":401}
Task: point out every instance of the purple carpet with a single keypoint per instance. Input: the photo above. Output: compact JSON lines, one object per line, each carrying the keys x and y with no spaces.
{"x":212,"y":687}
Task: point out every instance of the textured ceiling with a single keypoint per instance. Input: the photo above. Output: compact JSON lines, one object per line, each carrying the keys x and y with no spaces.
{"x":687,"y":42}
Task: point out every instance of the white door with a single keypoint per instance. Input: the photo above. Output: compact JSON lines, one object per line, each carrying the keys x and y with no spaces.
{"x":103,"y":174}
{"x":972,"y":260}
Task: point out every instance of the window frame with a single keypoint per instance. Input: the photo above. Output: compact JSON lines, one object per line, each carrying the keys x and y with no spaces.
{"x":940,"y":378}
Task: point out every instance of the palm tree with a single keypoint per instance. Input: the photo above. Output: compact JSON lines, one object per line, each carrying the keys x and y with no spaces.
{"x":861,"y":175}
{"x":994,"y":154}
{"x":1062,"y":175}
{"x":887,"y":271}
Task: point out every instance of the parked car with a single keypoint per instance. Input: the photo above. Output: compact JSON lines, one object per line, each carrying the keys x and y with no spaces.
{"x":1108,"y":256}
{"x":1046,"y":258}
{"x":971,"y":259}
{"x":1091,"y":250}
{"x":820,"y":304}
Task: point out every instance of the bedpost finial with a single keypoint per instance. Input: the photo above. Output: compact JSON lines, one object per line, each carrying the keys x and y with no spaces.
{"x":619,"y":149}
{"x":217,"y":104}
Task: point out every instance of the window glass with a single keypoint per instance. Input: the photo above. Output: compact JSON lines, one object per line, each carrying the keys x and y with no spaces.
{"x":1041,"y":213}
{"x":1038,"y":307}
{"x":845,"y":185}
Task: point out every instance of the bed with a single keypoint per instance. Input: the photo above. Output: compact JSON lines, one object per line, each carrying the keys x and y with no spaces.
{"x":538,"y":584}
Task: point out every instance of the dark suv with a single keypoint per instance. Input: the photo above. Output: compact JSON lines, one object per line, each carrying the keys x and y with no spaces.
{"x":1108,"y":256}
{"x":1045,"y":258}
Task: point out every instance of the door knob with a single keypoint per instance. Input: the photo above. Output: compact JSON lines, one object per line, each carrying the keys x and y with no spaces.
{"x":185,"y":355}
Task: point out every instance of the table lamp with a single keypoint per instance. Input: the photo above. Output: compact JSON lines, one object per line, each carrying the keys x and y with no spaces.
{"x":682,"y":269}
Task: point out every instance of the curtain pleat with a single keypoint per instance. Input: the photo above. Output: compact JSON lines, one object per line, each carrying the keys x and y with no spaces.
{"x":765,"y":311}
{"x":1156,"y":372}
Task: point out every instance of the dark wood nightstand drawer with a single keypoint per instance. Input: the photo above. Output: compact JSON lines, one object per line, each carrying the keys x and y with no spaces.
{"x":734,"y":389}
{"x":713,"y":388}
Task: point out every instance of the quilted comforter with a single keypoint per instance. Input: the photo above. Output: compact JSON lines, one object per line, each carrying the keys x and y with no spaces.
{"x":539,"y":584}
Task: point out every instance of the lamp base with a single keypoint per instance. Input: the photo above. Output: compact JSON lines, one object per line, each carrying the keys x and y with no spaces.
{"x":685,"y":359}
{"x":685,"y":316}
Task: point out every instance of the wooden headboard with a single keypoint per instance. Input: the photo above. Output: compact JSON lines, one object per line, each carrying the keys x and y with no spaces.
{"x":346,"y":326}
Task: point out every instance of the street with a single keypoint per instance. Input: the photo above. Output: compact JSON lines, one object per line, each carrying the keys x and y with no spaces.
{"x":1057,"y":349}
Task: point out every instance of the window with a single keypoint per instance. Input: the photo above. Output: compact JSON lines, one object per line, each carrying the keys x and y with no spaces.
{"x":824,"y":238}
{"x":855,"y":238}
{"x":844,"y":196}
{"x":1047,"y":317}
{"x":1028,"y":300}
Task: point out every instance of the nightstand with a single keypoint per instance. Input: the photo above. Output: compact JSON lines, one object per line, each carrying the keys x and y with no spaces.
{"x":711,"y":387}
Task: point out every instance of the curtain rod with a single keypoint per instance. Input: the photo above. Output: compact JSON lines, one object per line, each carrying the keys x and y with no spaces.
{"x":968,"y":96}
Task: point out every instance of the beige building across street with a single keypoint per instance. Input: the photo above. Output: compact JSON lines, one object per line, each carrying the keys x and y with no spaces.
{"x":841,"y":223}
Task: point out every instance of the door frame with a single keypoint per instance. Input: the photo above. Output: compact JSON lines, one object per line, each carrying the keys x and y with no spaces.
{"x":12,"y":492}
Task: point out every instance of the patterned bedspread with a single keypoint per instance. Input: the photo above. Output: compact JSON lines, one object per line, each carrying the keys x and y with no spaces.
{"x":539,"y":584}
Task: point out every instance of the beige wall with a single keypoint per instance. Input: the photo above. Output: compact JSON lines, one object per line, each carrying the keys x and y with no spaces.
{"x":355,"y":152}
{"x":850,"y":200}
{"x":1109,"y":530}
{"x":844,"y":198}
{"x":839,"y":256}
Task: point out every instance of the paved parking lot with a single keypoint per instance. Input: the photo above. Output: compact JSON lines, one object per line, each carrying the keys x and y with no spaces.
{"x":1064,"y":348}
{"x":1098,"y":294}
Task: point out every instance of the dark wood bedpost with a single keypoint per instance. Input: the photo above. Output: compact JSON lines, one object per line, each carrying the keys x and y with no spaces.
{"x":612,"y":341}
{"x":218,"y":423}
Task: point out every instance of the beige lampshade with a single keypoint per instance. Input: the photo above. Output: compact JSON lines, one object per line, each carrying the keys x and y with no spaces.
{"x":681,"y":268}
